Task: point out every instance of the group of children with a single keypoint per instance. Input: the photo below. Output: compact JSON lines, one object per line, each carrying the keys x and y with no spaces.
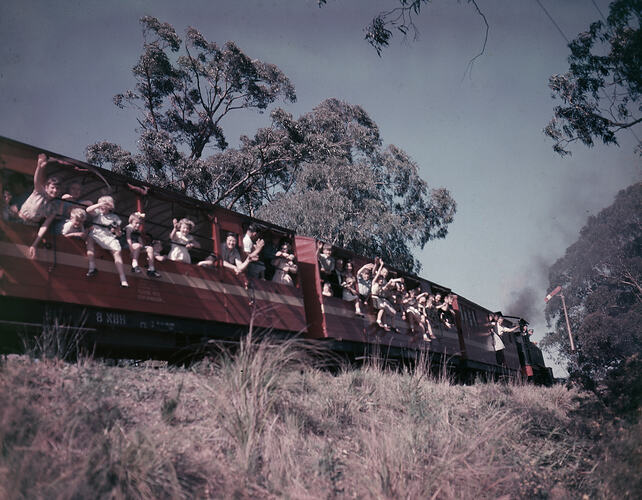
{"x":373,"y":284}
{"x":97,"y":223}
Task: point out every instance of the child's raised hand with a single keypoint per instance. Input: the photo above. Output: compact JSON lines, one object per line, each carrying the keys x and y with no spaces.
{"x":42,"y":160}
{"x":32,"y":252}
{"x":175,"y":222}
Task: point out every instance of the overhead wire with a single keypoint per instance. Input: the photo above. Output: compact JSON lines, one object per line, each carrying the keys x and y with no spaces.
{"x":598,"y":9}
{"x":553,"y":21}
{"x":568,"y":42}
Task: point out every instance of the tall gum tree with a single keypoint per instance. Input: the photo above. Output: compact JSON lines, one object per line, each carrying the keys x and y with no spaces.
{"x":184,"y":90}
{"x":600,"y":92}
{"x":325,"y":174}
{"x":351,"y":191}
{"x":601,"y":278}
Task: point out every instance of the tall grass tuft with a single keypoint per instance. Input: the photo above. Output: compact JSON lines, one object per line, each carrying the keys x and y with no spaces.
{"x":169,"y":405}
{"x":262,"y":421}
{"x":249,"y":382}
{"x":58,"y":339}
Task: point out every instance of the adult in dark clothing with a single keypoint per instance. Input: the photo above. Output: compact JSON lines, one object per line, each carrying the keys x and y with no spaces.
{"x":231,"y":257}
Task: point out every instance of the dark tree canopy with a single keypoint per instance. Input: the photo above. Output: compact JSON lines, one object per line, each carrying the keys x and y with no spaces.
{"x":352,"y":192}
{"x":601,"y":278}
{"x":183,"y":96}
{"x":325,"y":174}
{"x":600,"y":93}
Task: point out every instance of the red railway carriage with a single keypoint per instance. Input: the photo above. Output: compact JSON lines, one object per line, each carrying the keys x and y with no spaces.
{"x":209,"y":302}
{"x":466,"y":344}
{"x":189,"y":305}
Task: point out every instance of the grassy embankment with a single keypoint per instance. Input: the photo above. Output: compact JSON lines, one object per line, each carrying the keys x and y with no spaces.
{"x":266,"y":423}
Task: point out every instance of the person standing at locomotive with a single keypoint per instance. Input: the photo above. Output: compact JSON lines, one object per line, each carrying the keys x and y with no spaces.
{"x":252,"y":246}
{"x":105,"y":231}
{"x":42,"y":203}
{"x":498,"y":330}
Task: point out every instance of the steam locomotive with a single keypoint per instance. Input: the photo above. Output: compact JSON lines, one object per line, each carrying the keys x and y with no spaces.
{"x":190,"y":305}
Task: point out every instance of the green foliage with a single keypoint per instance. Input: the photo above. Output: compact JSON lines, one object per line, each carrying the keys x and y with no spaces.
{"x":324,"y":174}
{"x":601,"y":91}
{"x":350,"y":191}
{"x":601,"y":278}
{"x":183,"y":96}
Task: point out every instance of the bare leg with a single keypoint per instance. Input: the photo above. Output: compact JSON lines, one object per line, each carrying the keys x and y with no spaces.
{"x":135,"y":251}
{"x":118,"y":260}
{"x":91,"y":253}
{"x":429,"y":329}
{"x":150,"y":258}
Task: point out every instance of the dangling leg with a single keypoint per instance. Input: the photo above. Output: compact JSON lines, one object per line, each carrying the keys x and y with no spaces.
{"x":118,"y":260}
{"x":91,"y":257}
{"x":380,"y":318}
{"x":151,"y":258}
{"x":135,"y":251}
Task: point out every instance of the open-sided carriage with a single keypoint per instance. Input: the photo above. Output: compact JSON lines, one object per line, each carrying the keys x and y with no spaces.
{"x":189,"y":305}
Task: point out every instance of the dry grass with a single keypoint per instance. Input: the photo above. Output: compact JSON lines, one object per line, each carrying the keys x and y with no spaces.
{"x":264,"y":422}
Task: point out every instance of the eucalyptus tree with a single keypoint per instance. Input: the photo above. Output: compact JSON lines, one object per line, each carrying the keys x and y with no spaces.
{"x":601,"y":91}
{"x":601,"y":278}
{"x":325,"y":174}
{"x":400,"y":19}
{"x":328,"y":175}
{"x":184,"y":90}
{"x":347,"y":189}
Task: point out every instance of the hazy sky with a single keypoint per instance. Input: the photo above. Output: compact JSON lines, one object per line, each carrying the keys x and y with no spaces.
{"x":519,"y":204}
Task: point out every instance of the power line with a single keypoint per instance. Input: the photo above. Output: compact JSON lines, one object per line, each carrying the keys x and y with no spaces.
{"x":553,"y":21}
{"x":598,"y":9}
{"x":568,"y":42}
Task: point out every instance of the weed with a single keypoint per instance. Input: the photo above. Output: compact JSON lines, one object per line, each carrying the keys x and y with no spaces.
{"x":261,"y":422}
{"x":169,"y":405}
{"x":58,"y":339}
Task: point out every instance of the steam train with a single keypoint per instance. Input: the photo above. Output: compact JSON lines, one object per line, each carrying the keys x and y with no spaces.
{"x":190,"y":305}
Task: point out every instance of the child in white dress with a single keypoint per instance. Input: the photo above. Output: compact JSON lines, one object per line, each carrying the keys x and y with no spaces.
{"x":182,"y":241}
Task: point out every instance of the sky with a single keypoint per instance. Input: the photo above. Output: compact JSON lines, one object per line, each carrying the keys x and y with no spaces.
{"x":478,"y":134}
